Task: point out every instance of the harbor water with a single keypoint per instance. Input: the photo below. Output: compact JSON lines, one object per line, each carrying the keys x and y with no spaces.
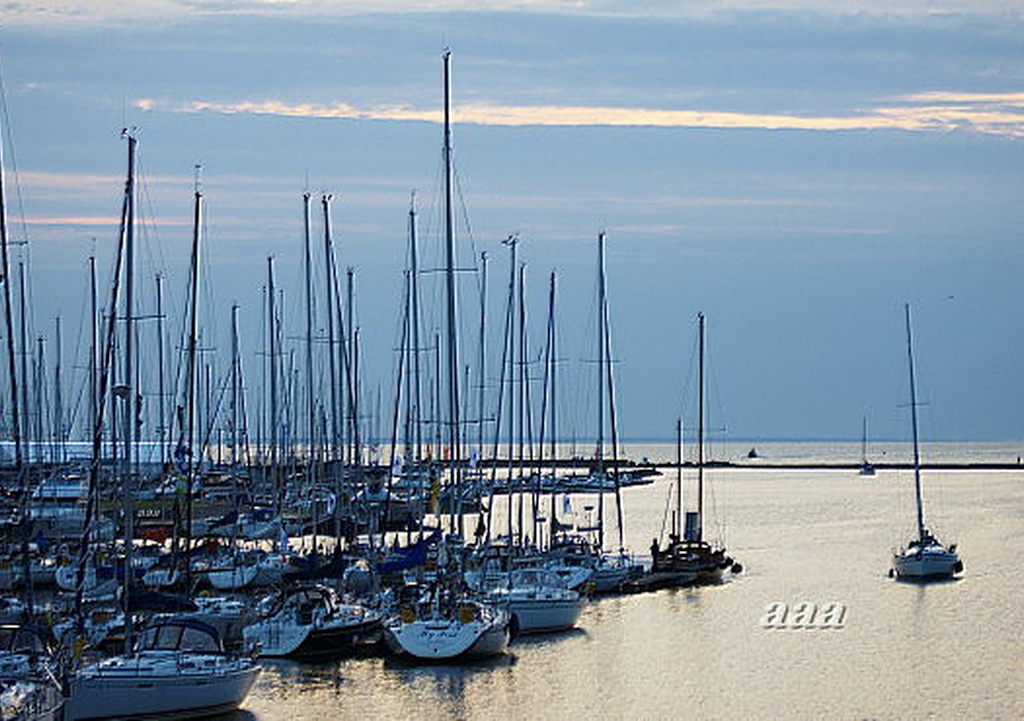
{"x":813,"y":627}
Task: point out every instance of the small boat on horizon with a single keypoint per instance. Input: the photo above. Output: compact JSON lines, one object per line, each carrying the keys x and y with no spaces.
{"x":866,"y":467}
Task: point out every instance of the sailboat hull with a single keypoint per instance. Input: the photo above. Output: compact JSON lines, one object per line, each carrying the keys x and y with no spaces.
{"x":448,"y":639}
{"x":932,"y":562}
{"x":232,"y":578}
{"x":333,"y":638}
{"x":160,"y":685}
{"x":543,"y":613}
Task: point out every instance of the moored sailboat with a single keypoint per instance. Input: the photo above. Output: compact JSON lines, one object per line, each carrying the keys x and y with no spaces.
{"x":867,"y":468}
{"x":689,"y":557}
{"x":309,"y":620}
{"x":537,"y":599}
{"x":178,"y":668}
{"x":924,"y":557}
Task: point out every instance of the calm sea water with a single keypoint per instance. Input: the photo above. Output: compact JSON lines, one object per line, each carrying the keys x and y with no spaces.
{"x":946,"y":650}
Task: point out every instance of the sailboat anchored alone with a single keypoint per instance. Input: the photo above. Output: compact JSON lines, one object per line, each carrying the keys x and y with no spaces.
{"x":690,"y":558}
{"x":867,"y":468}
{"x":924,"y":557}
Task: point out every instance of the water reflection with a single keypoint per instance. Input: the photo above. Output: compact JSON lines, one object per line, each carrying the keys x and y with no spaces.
{"x":817,"y":538}
{"x":539,"y":640}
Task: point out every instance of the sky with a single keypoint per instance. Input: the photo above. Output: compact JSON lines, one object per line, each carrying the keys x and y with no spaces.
{"x":795,"y":174}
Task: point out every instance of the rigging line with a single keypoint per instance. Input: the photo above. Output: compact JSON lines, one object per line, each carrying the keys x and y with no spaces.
{"x":12,"y":162}
{"x":715,"y":397}
{"x":208,"y":282}
{"x":80,"y":343}
{"x":469,"y":228}
{"x":150,"y":232}
{"x":687,"y":393}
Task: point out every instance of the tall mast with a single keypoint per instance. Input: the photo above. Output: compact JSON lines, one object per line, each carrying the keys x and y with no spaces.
{"x":549,"y":414}
{"x":310,"y":393}
{"x":130,"y":427}
{"x":235,"y":388}
{"x":16,"y":435}
{"x":482,"y":354}
{"x":161,"y":402}
{"x":192,"y":383}
{"x":311,"y":464}
{"x":23,"y":334}
{"x":272,"y":360}
{"x":700,"y":431}
{"x":58,"y":400}
{"x":523,"y":414}
{"x":864,"y":440}
{"x":601,"y":387}
{"x":325,"y":202}
{"x":416,"y":397}
{"x":913,"y":422}
{"x":510,"y":340}
{"x":452,"y":335}
{"x":105,"y":371}
{"x":353,"y":369}
{"x":37,"y":399}
{"x":93,"y":345}
{"x":677,"y":519}
{"x":402,"y":382}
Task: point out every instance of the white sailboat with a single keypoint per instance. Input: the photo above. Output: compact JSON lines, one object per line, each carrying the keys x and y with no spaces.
{"x":537,"y":599}
{"x":443,"y":622}
{"x":441,"y":627}
{"x":924,"y":557}
{"x":309,"y":620}
{"x":610,"y":571}
{"x":179,"y":668}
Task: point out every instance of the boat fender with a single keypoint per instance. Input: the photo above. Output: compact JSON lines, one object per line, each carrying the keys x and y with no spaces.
{"x":892,"y":572}
{"x":513,"y":628}
{"x":737,"y":567}
{"x":959,"y":566}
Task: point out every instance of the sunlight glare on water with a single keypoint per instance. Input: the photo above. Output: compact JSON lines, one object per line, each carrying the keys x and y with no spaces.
{"x":943,"y":650}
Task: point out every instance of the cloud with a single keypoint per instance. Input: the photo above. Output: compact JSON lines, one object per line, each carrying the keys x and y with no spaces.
{"x":75,"y":222}
{"x":995,"y":114}
{"x":79,"y":13}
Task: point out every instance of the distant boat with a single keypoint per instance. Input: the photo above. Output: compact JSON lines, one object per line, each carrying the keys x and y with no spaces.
{"x":866,"y":467}
{"x":924,"y":557}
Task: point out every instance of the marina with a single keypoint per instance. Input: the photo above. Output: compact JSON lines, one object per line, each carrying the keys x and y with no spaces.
{"x":260,"y":515}
{"x":621,"y":652}
{"x":807,"y":539}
